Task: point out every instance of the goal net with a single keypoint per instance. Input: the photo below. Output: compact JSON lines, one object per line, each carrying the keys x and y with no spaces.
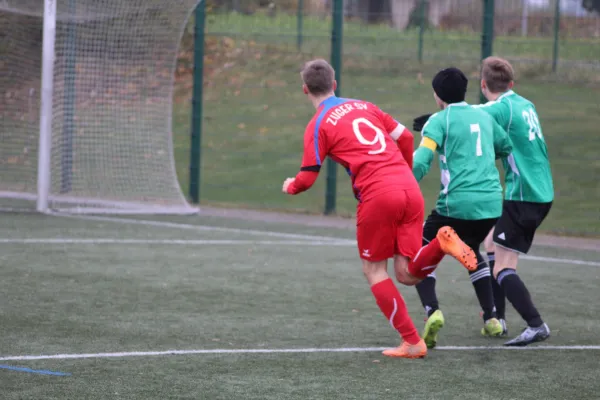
{"x":85,"y":105}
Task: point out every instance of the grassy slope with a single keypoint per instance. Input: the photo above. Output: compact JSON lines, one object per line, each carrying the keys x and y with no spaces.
{"x":284,"y":29}
{"x":255,"y":113}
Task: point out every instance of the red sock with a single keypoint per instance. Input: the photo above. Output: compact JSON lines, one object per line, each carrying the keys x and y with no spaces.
{"x":426,"y":260}
{"x":392,"y":305}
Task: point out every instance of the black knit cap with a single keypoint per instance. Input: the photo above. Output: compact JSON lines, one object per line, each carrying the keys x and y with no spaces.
{"x":450,"y":85}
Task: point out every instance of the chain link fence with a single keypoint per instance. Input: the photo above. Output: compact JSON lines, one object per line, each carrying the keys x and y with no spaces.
{"x":255,"y":112}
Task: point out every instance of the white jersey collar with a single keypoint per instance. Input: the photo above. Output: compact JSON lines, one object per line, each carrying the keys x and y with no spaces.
{"x":461,"y":104}
{"x":506,"y":94}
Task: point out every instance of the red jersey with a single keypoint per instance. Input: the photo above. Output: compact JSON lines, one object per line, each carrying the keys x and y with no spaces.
{"x":365,"y":141}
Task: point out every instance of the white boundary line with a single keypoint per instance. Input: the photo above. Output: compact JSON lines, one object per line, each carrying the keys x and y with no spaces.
{"x":339,"y":241}
{"x":277,"y":351}
{"x":561,"y":260}
{"x":94,"y":241}
{"x":205,"y":228}
{"x":319,"y":243}
{"x":328,"y":239}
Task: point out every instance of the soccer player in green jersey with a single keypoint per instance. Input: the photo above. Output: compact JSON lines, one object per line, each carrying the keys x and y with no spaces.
{"x":468,"y":142}
{"x":528,"y":197}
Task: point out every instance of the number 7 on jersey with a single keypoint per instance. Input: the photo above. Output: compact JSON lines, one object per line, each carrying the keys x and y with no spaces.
{"x":476,"y":129}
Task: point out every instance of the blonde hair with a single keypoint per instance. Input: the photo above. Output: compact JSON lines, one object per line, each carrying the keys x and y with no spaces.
{"x":497,"y":74}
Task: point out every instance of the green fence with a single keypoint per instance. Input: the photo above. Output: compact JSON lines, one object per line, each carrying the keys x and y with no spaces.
{"x":254,"y":112}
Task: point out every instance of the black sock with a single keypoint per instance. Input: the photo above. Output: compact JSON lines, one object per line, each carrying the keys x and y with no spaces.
{"x":519,"y":297}
{"x":426,"y":290}
{"x":482,"y":282}
{"x":498,"y":292}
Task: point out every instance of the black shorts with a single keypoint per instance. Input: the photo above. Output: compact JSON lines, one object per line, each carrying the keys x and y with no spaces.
{"x":517,"y":225}
{"x":472,"y":232}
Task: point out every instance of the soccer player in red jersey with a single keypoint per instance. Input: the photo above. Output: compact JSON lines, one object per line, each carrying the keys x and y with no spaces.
{"x":376,"y":150}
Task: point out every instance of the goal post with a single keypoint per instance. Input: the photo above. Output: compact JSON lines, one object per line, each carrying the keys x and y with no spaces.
{"x":86,"y":91}
{"x":45,"y":141}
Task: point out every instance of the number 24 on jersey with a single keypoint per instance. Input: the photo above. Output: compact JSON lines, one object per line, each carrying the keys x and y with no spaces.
{"x":534,"y":124}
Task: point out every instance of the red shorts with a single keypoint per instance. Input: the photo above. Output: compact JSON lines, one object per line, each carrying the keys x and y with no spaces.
{"x":390,"y":224}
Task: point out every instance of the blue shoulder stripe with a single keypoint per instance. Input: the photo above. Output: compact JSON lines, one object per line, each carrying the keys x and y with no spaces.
{"x":327,"y":105}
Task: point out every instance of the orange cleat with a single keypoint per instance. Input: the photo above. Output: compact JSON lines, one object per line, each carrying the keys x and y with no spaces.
{"x":407,"y":350}
{"x":452,"y":245}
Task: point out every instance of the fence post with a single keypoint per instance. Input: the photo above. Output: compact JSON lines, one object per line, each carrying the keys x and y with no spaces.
{"x":66,"y":156}
{"x":336,"y":63}
{"x":524,"y":17}
{"x":556,"y":36}
{"x":299,"y":23}
{"x":487,"y":35}
{"x":196,"y":134}
{"x":422,"y":20}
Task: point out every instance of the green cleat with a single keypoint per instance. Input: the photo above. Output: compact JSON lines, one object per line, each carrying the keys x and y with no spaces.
{"x":434,"y":323}
{"x":493,"y":328}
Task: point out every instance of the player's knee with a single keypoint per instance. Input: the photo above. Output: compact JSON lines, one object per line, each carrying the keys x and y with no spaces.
{"x":407,"y":279}
{"x":499,"y":268}
{"x":400,"y":268}
{"x":402,"y":274}
{"x":505,"y":259}
{"x":496,"y":271}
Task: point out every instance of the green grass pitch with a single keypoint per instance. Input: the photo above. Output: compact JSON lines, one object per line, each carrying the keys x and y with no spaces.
{"x":74,"y":286}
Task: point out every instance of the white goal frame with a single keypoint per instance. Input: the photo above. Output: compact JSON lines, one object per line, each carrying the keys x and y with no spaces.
{"x":44,"y":198}
{"x":45,"y":139}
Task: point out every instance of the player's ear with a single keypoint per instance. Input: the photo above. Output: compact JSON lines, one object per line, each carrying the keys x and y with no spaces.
{"x":483,"y":85}
{"x":511,"y":84}
{"x":334,"y":85}
{"x":305,"y":89}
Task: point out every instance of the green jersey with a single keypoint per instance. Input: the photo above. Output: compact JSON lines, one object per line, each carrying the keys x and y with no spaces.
{"x":468,"y":142}
{"x":528,"y":174}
